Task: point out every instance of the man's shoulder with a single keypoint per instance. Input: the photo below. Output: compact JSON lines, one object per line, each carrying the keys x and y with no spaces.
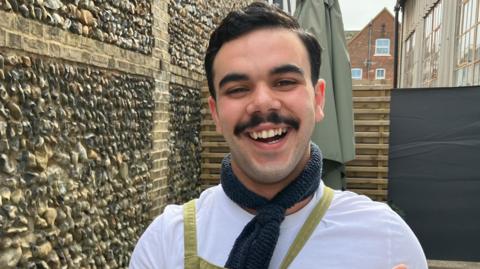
{"x":356,"y":227}
{"x":173,"y":213}
{"x":350,"y":199}
{"x":350,"y":205}
{"x":164,"y":236}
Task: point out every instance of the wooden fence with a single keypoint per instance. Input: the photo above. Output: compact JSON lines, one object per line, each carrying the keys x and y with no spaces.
{"x":214,"y":146}
{"x":367,"y":174}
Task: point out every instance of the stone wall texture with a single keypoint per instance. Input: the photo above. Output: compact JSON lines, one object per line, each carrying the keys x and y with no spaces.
{"x":184,"y":129}
{"x":83,"y":131}
{"x":75,"y":162}
{"x":192,"y":22}
{"x":118,"y":22}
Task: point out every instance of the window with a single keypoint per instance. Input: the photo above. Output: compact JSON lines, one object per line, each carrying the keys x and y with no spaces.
{"x":409,"y":61}
{"x":467,"y":69}
{"x":278,"y":3}
{"x":356,"y":73}
{"x":382,"y":47}
{"x":287,"y":5}
{"x":380,"y":73}
{"x":431,"y":42}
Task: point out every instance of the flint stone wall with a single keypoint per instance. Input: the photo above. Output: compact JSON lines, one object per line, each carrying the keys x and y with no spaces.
{"x":83,"y":138}
{"x":184,"y":128}
{"x":119,"y":22}
{"x":75,"y":163}
{"x":192,"y":22}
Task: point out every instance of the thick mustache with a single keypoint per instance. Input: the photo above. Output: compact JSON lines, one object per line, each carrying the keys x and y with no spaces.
{"x":257,"y":119}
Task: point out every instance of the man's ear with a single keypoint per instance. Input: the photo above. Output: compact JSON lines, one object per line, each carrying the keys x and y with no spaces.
{"x":319,"y":100}
{"x":213,"y":111}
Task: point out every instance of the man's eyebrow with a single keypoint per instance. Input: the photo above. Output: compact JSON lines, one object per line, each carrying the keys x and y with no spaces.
{"x":287,"y":68}
{"x":231,"y":78}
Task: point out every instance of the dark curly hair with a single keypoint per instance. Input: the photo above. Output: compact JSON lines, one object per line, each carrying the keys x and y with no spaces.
{"x":256,"y":16}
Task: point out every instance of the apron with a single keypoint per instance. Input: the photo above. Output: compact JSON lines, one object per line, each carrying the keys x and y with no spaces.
{"x":193,"y":261}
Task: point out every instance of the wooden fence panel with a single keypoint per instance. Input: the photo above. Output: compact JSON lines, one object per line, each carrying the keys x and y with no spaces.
{"x":367,"y":174}
{"x":214,"y":147}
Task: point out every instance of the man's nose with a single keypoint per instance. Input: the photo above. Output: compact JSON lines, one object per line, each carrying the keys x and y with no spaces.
{"x":263,"y":100}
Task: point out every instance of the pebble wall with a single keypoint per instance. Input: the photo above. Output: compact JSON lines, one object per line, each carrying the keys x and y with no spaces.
{"x":184,"y":128}
{"x":192,"y":22}
{"x":127,"y":24}
{"x":75,"y":147}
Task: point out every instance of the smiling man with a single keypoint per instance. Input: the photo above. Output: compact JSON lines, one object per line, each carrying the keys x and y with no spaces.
{"x":271,"y":209}
{"x":266,"y":106}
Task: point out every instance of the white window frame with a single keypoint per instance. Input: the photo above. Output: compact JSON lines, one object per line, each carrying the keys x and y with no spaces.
{"x":376,"y":73}
{"x":409,"y":61}
{"x":361,"y":73}
{"x":286,"y":4}
{"x":468,"y":55}
{"x":377,"y":47}
{"x":432,"y":36}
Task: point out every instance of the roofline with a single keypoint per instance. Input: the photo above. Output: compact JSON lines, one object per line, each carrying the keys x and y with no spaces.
{"x":374,"y":18}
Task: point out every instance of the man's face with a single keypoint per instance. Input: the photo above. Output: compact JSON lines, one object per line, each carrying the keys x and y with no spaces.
{"x":266,"y":105}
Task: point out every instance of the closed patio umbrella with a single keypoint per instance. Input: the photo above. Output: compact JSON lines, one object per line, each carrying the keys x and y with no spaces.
{"x":334,"y":135}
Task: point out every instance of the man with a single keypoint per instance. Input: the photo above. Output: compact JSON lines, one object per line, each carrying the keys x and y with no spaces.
{"x":271,"y":209}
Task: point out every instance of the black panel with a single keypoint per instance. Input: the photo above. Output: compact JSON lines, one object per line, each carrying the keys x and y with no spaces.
{"x":434,"y":168}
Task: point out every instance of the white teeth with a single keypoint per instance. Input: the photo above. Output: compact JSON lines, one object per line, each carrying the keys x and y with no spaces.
{"x":268,"y":133}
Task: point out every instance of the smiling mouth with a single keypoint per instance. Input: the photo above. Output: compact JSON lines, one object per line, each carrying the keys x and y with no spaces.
{"x":270,"y":136}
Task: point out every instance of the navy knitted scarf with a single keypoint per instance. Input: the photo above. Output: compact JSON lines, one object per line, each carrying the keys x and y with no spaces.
{"x":253,"y":248}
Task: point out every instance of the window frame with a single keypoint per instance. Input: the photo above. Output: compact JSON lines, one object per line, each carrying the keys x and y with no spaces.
{"x":467,"y":56}
{"x":286,"y":5}
{"x":409,"y":60}
{"x":361,"y":73}
{"x":377,"y":47}
{"x":384,"y":73}
{"x":432,"y":35}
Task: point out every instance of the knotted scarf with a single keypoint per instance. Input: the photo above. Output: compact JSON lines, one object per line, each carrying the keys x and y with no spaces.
{"x":253,"y":248}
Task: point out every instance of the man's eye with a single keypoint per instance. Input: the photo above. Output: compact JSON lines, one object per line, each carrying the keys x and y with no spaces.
{"x":285,"y":82}
{"x":237,"y":91}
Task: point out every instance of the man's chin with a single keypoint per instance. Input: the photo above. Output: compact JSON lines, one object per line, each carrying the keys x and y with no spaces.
{"x":271,"y":174}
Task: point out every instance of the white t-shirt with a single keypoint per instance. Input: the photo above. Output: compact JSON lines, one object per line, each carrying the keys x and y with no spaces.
{"x":355,"y":233}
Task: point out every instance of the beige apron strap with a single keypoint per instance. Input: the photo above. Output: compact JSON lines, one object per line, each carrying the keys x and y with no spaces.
{"x":190,"y":235}
{"x":308,"y":227}
{"x":191,"y":260}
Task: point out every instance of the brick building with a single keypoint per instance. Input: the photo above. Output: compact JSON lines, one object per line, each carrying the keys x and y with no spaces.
{"x":371,"y":50}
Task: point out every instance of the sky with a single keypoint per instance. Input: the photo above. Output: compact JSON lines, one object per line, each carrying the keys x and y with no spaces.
{"x":357,"y":13}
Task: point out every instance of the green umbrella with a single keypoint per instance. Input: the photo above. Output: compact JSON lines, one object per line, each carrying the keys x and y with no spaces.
{"x":334,"y":135}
